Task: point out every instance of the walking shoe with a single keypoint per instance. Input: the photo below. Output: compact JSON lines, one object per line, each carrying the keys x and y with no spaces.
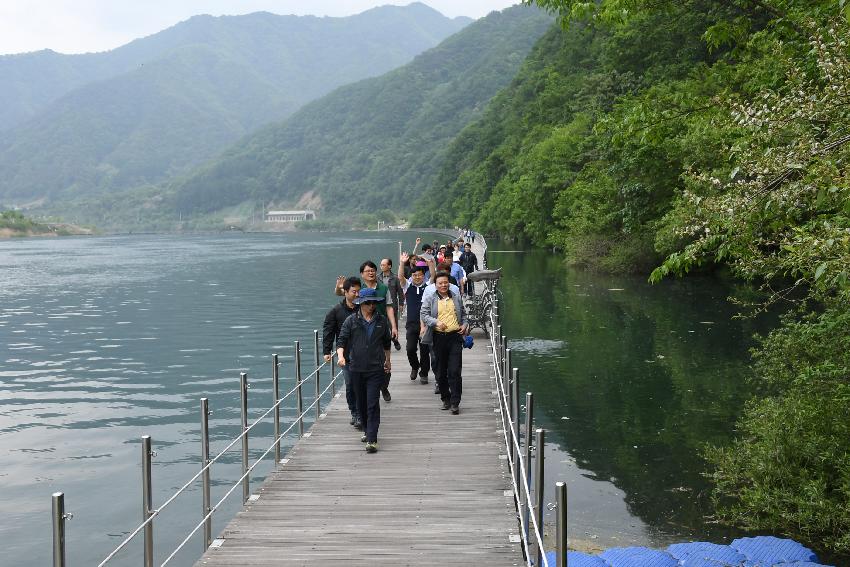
{"x":455,"y":410}
{"x":423,"y":380}
{"x":413,"y":373}
{"x":352,"y":420}
{"x":372,"y":447}
{"x":445,"y":406}
{"x":358,"y":425}
{"x":436,"y":388}
{"x":363,"y":438}
{"x":385,"y":393}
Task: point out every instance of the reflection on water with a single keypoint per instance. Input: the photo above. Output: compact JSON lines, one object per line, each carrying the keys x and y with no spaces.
{"x":630,"y":381}
{"x":104,"y":340}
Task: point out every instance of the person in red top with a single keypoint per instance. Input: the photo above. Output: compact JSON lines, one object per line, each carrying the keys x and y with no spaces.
{"x":441,"y":255}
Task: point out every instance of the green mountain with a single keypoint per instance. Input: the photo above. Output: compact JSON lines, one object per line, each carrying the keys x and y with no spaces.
{"x":162,"y":104}
{"x":376,"y":143}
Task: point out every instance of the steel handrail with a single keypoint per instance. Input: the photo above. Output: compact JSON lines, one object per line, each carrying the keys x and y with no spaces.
{"x":156,"y":512}
{"x":247,"y":473}
{"x":514,"y":441}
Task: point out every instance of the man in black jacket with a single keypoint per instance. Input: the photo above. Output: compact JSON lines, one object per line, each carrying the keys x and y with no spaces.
{"x":330,"y":332}
{"x":364,"y":345}
{"x":418,"y":354}
{"x":469,"y":262}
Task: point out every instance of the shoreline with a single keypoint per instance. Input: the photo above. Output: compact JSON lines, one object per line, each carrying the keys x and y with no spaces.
{"x":8,"y":233}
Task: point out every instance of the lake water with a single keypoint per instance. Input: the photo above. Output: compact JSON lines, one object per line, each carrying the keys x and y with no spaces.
{"x":103,"y":340}
{"x":631,"y":381}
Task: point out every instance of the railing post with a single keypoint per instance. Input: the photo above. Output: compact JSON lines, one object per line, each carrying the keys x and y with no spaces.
{"x":506,"y":352}
{"x":561,"y":529}
{"x":205,"y":476}
{"x":506,"y":378}
{"x":506,"y":372}
{"x":147,"y":498}
{"x":539,"y":484}
{"x":299,"y":401}
{"x":506,"y":388}
{"x":318,"y":375}
{"x":276,"y":394}
{"x":59,"y":529}
{"x":246,"y":481}
{"x":332,"y":367}
{"x":526,"y":479}
{"x":515,"y":425}
{"x":515,"y":401}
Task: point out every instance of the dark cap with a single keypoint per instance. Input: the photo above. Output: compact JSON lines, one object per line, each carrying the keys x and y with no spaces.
{"x":367,"y":294}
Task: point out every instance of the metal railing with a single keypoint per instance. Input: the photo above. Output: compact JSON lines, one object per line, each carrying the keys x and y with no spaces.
{"x":528,"y":488}
{"x":149,"y":513}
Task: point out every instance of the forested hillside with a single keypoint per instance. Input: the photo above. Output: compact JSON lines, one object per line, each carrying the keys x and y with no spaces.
{"x":686,"y":135}
{"x":549,"y":162}
{"x":150,"y":110}
{"x":375,"y":144}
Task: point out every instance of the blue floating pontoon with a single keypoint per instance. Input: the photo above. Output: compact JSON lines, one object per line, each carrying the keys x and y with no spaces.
{"x":761,"y":551}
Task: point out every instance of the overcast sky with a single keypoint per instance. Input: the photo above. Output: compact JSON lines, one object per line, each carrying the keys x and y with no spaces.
{"x":79,"y":26}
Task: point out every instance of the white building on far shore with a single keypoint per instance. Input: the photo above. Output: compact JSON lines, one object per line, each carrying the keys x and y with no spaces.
{"x":290,"y":216}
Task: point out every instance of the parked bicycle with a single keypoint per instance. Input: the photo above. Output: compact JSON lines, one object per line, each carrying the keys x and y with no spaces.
{"x":479,"y":304}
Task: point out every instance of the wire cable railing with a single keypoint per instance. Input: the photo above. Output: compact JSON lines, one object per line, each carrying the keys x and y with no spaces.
{"x":150,"y":513}
{"x":518,"y":465}
{"x":157,"y":511}
{"x":248,"y":472}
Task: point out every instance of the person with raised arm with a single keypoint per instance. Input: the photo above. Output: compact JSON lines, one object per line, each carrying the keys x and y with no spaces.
{"x":418,"y":355}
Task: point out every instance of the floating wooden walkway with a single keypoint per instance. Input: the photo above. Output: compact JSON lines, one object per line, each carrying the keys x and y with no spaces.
{"x":436,"y":493}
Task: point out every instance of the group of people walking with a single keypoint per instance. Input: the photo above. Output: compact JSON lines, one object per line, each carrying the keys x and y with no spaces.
{"x":428,"y":286}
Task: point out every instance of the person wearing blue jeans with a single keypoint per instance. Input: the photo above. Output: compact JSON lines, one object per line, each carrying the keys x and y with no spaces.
{"x":364,"y":346}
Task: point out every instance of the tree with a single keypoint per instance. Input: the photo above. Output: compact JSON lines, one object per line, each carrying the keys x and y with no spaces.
{"x":778,"y":212}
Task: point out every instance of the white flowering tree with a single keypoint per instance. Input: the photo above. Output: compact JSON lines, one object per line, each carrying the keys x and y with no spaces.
{"x":780,"y":210}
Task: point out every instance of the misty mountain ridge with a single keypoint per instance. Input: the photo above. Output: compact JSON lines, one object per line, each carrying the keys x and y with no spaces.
{"x":160,"y":104}
{"x":34,"y":79}
{"x":375,"y":144}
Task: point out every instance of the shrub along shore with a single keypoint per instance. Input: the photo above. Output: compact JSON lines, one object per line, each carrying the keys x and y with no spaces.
{"x":15,"y":224}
